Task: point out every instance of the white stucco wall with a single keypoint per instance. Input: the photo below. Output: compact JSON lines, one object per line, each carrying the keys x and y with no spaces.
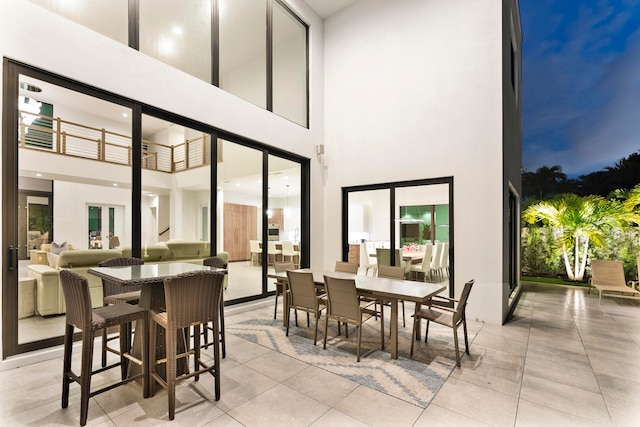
{"x":413,"y":90}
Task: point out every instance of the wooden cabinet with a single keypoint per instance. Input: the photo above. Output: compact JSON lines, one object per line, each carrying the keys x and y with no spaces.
{"x":240,"y":226}
{"x":354,"y":254}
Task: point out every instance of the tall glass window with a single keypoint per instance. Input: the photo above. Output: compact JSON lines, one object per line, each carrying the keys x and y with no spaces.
{"x":289,"y":66}
{"x":77,"y":191}
{"x":283,"y":213}
{"x":243,"y":52}
{"x":178,"y":32}
{"x":175,"y":191}
{"x":239,"y":216}
{"x":106,"y":17}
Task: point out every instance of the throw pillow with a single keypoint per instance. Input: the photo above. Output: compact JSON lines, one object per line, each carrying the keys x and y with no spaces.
{"x":57,"y":248}
{"x":52,"y":259}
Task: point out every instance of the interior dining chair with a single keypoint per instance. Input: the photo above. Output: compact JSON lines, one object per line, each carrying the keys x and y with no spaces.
{"x":113,"y":293}
{"x":216,"y":262}
{"x":435,"y":259}
{"x":288,"y":251}
{"x":425,"y":266}
{"x":192,"y":299}
{"x":281,"y":285}
{"x":371,"y":263}
{"x":440,"y":311}
{"x":383,"y":256}
{"x":80,"y":315}
{"x":344,"y":305}
{"x":346,"y":267}
{"x":256,"y":251}
{"x":272,"y":250}
{"x":391,"y":272}
{"x":444,"y":259}
{"x":303,"y":296}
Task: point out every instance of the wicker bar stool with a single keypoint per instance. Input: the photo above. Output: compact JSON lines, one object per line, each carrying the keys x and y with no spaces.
{"x":192,"y":299}
{"x":112,"y":293}
{"x":80,"y":315}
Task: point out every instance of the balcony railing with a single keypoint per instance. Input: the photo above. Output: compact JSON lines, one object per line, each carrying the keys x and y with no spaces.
{"x":55,"y":135}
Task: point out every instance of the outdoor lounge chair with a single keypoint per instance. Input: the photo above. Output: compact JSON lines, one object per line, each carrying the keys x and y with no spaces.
{"x":607,"y":276}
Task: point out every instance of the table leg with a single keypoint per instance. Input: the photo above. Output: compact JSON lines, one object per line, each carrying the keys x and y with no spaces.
{"x":418,"y":333}
{"x":394,"y":329}
{"x":152,"y":297}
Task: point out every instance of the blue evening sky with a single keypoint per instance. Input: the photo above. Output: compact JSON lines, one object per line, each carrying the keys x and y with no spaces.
{"x":580,"y":83}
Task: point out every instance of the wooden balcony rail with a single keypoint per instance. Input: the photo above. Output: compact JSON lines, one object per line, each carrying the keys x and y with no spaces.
{"x":58,"y":136}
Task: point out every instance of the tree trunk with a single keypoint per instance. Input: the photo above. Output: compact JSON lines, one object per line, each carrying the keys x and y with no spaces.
{"x":576,"y":256}
{"x":583,"y":265}
{"x":567,"y":264}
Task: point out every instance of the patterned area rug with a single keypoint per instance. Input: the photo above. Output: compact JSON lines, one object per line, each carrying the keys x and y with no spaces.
{"x":415,"y":380}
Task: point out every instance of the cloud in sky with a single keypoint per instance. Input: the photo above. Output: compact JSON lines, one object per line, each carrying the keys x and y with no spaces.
{"x":581,"y":83}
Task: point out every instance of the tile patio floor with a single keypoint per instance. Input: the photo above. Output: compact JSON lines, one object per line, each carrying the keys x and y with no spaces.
{"x":562,"y":360}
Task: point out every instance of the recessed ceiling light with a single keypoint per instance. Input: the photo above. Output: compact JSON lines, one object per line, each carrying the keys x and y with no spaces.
{"x":30,"y":87}
{"x":38,"y":174}
{"x":115,"y":185}
{"x":125,"y":115}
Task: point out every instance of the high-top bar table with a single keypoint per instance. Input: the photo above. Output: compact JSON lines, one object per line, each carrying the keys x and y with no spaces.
{"x":391,"y":290}
{"x":151,"y":277}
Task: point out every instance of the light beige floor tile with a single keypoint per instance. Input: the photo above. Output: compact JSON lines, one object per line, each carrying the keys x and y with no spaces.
{"x":623,"y":413}
{"x":52,"y":414}
{"x":378,"y":409}
{"x":494,"y":369}
{"x":534,"y":415}
{"x":279,"y":406}
{"x":276,"y":365}
{"x":324,"y":386}
{"x":237,"y":386}
{"x":479,"y":403}
{"x":612,"y":363}
{"x":435,"y":415}
{"x":224,"y":421}
{"x":244,"y":350}
{"x":562,"y":370}
{"x":513,"y":340}
{"x":336,"y":418}
{"x":614,"y":388}
{"x":564,"y":398}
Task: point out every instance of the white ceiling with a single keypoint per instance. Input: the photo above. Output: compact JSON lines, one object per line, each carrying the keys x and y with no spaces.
{"x":326,"y":8}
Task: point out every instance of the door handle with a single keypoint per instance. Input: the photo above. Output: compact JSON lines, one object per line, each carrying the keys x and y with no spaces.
{"x":13,"y":256}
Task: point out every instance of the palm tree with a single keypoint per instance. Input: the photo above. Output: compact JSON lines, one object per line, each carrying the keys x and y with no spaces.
{"x":577,"y":221}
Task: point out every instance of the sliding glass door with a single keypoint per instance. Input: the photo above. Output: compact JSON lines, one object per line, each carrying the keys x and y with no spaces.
{"x":408,"y":220}
{"x":98,"y":177}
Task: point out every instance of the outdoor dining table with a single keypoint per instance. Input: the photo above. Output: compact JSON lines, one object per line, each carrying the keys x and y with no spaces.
{"x":151,"y":277}
{"x":391,"y":290}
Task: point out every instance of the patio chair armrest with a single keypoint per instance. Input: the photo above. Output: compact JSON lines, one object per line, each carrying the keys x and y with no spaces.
{"x":449,"y":309}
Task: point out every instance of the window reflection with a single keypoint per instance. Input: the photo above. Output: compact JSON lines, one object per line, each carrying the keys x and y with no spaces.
{"x":243,"y":54}
{"x":178,"y":32}
{"x":75,"y":183}
{"x":289,"y":66}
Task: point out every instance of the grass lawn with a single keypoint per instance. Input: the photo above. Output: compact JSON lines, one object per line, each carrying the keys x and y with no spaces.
{"x":553,"y":280}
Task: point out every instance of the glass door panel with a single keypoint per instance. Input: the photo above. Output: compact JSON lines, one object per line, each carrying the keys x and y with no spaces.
{"x":239,"y":216}
{"x":368,"y":227}
{"x":283,"y":213}
{"x":176,"y":176}
{"x":74,"y":188}
{"x":422,"y":218}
